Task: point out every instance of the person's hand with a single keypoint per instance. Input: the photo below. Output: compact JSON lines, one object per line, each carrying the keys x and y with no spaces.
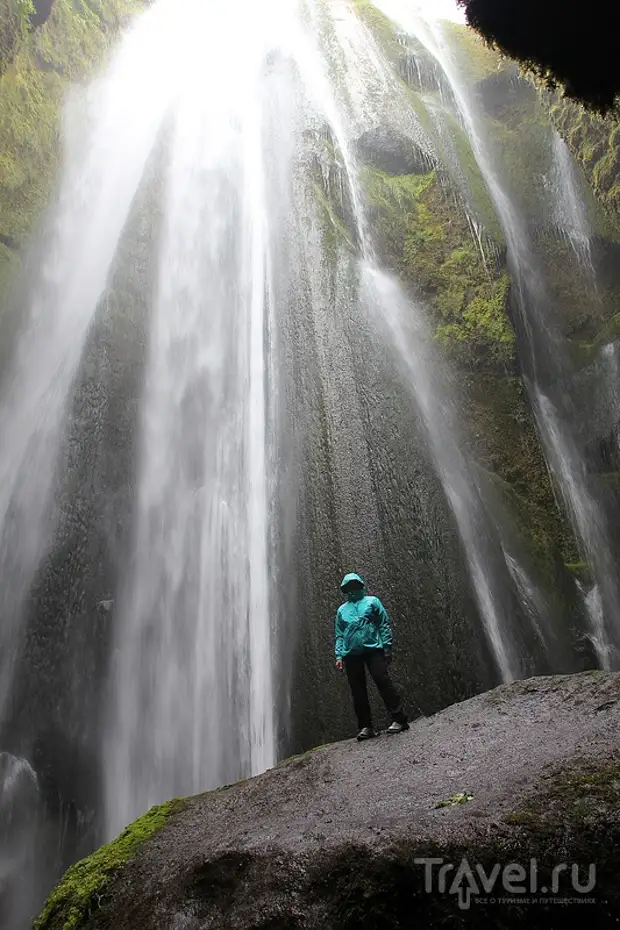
{"x":339,"y":664}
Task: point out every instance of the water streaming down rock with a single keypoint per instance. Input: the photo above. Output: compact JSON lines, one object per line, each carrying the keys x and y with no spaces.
{"x":100,"y":181}
{"x":491,"y":582}
{"x":293,"y":419}
{"x":547,"y":366}
{"x":571,"y":214}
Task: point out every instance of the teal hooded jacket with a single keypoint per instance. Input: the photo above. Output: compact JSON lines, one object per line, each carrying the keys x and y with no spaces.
{"x":362,"y":622}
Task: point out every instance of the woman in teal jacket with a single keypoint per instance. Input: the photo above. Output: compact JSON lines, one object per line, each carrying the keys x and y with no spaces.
{"x":364,"y":640}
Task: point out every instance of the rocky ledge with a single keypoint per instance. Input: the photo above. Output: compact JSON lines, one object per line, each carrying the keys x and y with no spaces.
{"x":333,"y":838}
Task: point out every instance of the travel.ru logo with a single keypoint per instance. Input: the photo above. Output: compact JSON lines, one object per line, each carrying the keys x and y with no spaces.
{"x":493,"y":886}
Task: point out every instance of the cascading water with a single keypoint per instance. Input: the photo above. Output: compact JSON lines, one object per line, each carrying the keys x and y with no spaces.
{"x":571,"y":213}
{"x":547,"y":366}
{"x":293,"y":418}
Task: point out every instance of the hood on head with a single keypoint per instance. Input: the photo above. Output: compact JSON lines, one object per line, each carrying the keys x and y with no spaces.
{"x":349,"y":578}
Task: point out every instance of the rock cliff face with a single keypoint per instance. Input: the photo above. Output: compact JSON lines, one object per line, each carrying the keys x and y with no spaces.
{"x":595,"y":143}
{"x":438,"y":230}
{"x":333,"y":838}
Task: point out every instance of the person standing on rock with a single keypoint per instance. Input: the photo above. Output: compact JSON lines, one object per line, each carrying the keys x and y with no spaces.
{"x":364,"y":641}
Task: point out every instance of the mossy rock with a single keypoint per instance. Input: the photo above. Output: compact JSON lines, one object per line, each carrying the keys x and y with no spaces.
{"x":429,"y":243}
{"x":381,"y":27}
{"x":334,"y":840}
{"x":76,"y":901}
{"x":44,"y":63}
{"x":595,"y":142}
{"x":581,"y":571}
{"x":584,"y":352}
{"x":475,"y":56}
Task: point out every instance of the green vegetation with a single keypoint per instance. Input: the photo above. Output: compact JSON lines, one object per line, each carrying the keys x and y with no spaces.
{"x":573,"y":801}
{"x":82,"y":891}
{"x":425,"y":238}
{"x":461,"y":798}
{"x":584,"y":351}
{"x":36,"y":69}
{"x":14,"y":27}
{"x":431,"y":247}
{"x":595,"y":143}
{"x":381,"y":27}
{"x":475,"y":56}
{"x":580,"y":571}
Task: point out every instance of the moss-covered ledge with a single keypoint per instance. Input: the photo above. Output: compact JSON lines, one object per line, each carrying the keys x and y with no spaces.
{"x":76,"y":901}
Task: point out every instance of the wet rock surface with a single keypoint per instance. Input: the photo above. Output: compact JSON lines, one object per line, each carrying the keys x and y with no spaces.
{"x":330,"y":838}
{"x":392,"y":152}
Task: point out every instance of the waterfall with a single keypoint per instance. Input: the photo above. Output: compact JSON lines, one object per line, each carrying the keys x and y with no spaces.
{"x":290,"y":417}
{"x":100,"y":181}
{"x":571,"y":214}
{"x":547,"y":357}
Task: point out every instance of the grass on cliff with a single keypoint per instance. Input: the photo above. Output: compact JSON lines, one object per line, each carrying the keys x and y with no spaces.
{"x":82,"y":891}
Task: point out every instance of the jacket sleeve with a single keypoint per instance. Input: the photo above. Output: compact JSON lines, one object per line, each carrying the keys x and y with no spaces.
{"x":339,"y":625}
{"x":385,"y":627}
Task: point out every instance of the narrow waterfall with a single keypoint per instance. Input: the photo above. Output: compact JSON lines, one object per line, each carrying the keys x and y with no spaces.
{"x":226,"y":389}
{"x":571,"y":214}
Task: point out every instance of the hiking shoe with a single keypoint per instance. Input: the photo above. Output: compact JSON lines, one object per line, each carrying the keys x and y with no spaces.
{"x":365,"y":733}
{"x":397,"y":727}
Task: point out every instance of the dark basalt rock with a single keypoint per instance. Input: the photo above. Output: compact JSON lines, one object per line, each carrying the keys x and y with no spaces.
{"x":42,"y":12}
{"x":331,"y":839}
{"x":500,"y":92}
{"x":392,"y":152}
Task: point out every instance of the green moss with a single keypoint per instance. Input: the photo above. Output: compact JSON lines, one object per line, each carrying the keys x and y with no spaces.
{"x":580,"y":570}
{"x":66,"y":49}
{"x":81,"y":893}
{"x":594,"y":141}
{"x":575,"y":798}
{"x":483,"y":321}
{"x":433,"y":250}
{"x":302,"y":758}
{"x":475,"y":56}
{"x":335,"y":233}
{"x":14,"y":27}
{"x":381,"y":27}
{"x":428,"y":243}
{"x":522,"y":143}
{"x":480,"y":197}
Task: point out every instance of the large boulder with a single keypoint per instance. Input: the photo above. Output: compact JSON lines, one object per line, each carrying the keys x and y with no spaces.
{"x":392,"y":152}
{"x":333,"y":838}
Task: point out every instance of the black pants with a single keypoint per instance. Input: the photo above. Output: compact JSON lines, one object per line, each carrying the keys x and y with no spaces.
{"x":375,"y":661}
